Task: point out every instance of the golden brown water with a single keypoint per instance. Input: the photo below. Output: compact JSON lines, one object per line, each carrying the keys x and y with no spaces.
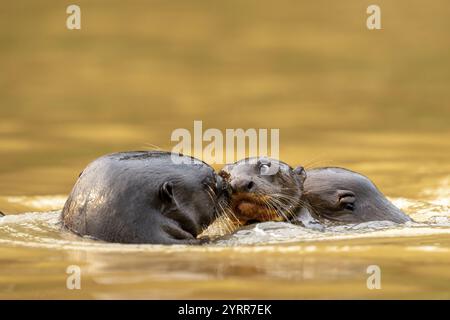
{"x":376,"y":102}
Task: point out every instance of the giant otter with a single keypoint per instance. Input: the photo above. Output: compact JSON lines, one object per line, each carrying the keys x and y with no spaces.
{"x":267,"y":189}
{"x":145,"y":197}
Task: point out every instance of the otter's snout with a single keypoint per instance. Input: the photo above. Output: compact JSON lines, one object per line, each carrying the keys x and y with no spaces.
{"x":242,"y":185}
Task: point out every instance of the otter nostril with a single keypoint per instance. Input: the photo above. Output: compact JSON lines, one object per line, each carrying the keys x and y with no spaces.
{"x":250,"y":185}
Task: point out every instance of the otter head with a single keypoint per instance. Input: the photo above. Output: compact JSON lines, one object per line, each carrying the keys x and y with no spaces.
{"x":191,"y":198}
{"x":145,"y":197}
{"x":264,"y":189}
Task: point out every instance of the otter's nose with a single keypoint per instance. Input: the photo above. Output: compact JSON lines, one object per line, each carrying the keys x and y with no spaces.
{"x":242,"y":185}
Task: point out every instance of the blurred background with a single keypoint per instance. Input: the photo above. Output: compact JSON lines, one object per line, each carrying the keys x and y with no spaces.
{"x":377,"y":102}
{"x":374,"y":101}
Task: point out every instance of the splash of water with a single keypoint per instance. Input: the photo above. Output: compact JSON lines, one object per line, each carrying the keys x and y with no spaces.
{"x":43,"y":229}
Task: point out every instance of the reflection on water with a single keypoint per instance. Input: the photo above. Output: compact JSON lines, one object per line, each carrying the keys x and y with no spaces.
{"x":295,"y":262}
{"x":374,"y":102}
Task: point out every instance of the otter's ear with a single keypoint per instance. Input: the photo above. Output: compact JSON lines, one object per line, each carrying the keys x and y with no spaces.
{"x":301,"y":173}
{"x":166,"y":192}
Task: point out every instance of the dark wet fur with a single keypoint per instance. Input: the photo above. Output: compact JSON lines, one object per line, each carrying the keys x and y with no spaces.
{"x":330,"y":195}
{"x":344,"y":196}
{"x":121,"y":198}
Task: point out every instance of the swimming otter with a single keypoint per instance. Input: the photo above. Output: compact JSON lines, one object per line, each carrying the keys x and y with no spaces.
{"x":267,"y":189}
{"x":145,"y":197}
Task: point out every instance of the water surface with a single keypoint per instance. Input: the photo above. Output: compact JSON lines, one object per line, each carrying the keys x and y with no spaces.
{"x":374,"y":102}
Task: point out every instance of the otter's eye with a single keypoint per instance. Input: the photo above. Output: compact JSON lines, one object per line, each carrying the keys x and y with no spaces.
{"x":264,"y":169}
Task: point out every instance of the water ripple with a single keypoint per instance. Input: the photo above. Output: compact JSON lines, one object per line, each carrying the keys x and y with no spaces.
{"x":43,"y":230}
